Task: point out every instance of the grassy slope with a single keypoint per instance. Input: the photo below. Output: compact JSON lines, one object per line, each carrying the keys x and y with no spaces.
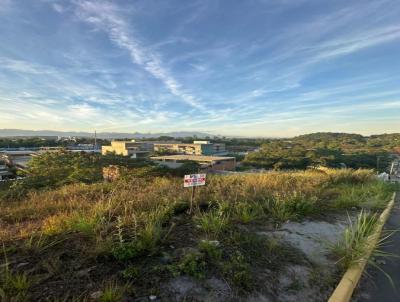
{"x":129,"y":237}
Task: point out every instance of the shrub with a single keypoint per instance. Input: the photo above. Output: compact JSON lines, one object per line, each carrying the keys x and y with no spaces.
{"x":238,"y":271}
{"x":131,"y":273}
{"x":211,"y":250}
{"x":193,"y":264}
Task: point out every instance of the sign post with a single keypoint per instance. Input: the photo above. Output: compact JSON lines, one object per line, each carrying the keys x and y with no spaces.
{"x":193,"y":181}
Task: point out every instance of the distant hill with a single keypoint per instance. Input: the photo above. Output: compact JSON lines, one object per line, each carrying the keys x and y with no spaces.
{"x":105,"y":135}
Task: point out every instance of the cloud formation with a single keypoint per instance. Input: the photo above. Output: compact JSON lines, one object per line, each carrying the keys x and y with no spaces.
{"x":105,"y":16}
{"x":259,"y":68}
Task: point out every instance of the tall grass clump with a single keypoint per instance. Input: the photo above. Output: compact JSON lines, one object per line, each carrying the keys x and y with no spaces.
{"x":246,"y":212}
{"x":213,"y":222}
{"x":349,"y":176}
{"x":143,"y":237}
{"x":352,"y":247}
{"x":112,"y":293}
{"x":374,"y":194}
{"x":13,"y":286}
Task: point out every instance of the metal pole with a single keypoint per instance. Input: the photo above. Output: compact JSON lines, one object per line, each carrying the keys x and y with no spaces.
{"x":392,"y":169}
{"x":95,"y":139}
{"x":192,"y":200}
{"x":377,"y":164}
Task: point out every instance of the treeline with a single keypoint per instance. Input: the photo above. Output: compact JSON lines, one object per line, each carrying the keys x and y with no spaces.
{"x":54,"y":169}
{"x":326,"y":149}
{"x":36,"y":142}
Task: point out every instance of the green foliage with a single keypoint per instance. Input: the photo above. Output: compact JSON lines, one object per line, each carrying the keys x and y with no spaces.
{"x":131,"y":273}
{"x":193,"y":264}
{"x":290,"y":206}
{"x":188,"y":167}
{"x":371,"y":195}
{"x":54,"y":169}
{"x":13,"y":286}
{"x":325,"y":149}
{"x":349,"y":176}
{"x":211,"y":250}
{"x":146,"y":239}
{"x":131,"y":219}
{"x":65,"y":167}
{"x":40,"y":242}
{"x":36,"y":142}
{"x":213,"y":222}
{"x":246,"y":212}
{"x":83,"y":224}
{"x":351,"y":248}
{"x":237,"y":270}
{"x":111,"y":293}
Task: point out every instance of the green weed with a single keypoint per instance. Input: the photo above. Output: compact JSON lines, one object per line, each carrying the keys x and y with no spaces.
{"x":39,"y":242}
{"x":131,"y":273}
{"x":145,"y":242}
{"x":13,"y":286}
{"x":193,"y":264}
{"x":372,"y":195}
{"x":351,"y":248}
{"x":211,"y":249}
{"x":237,"y":270}
{"x":213,"y":223}
{"x":246,"y":212}
{"x":112,"y":293}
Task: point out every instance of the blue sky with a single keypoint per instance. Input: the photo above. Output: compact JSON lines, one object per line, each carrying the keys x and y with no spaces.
{"x":248,"y":68}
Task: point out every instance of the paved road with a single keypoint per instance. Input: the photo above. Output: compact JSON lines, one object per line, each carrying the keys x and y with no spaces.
{"x":377,"y":287}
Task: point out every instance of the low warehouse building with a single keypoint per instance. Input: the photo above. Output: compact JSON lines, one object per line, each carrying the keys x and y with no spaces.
{"x":4,"y":171}
{"x":196,"y":148}
{"x":18,"y":159}
{"x":211,"y":163}
{"x":128,"y":148}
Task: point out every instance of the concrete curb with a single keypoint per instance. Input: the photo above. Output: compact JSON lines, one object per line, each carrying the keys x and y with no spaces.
{"x":345,"y":288}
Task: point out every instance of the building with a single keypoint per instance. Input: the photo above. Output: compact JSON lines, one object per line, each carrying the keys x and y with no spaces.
{"x":210,"y":163}
{"x":18,"y":159}
{"x":131,"y":148}
{"x":5,"y":173}
{"x":196,"y":148}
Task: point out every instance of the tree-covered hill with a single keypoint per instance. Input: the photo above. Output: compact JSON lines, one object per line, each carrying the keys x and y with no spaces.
{"x":326,"y":149}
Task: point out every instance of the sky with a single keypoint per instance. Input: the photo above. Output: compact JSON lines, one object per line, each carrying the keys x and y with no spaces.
{"x":241,"y":68}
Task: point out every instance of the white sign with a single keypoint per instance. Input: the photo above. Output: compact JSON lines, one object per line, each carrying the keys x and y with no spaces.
{"x":194,"y":180}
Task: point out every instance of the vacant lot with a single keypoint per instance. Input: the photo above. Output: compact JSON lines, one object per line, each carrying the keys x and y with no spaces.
{"x":136,"y":240}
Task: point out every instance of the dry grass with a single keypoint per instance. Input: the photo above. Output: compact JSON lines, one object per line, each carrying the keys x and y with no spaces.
{"x":95,"y":209}
{"x":134,"y":218}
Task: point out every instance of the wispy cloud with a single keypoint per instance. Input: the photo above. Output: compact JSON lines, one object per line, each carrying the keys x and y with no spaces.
{"x":106,"y":16}
{"x":245,"y":67}
{"x":21,"y":66}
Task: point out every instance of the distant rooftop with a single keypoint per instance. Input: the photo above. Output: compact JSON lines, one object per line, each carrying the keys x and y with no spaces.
{"x":191,"y":157}
{"x":19,"y":152}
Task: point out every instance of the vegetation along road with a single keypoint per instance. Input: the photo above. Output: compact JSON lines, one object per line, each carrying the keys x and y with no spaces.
{"x":382,"y":284}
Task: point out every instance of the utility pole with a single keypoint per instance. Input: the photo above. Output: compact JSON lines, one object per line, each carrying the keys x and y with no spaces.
{"x":391,"y":169}
{"x":377,"y":163}
{"x":95,"y":139}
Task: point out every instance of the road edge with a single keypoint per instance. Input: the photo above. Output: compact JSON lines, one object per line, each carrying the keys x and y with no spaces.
{"x":351,"y":277}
